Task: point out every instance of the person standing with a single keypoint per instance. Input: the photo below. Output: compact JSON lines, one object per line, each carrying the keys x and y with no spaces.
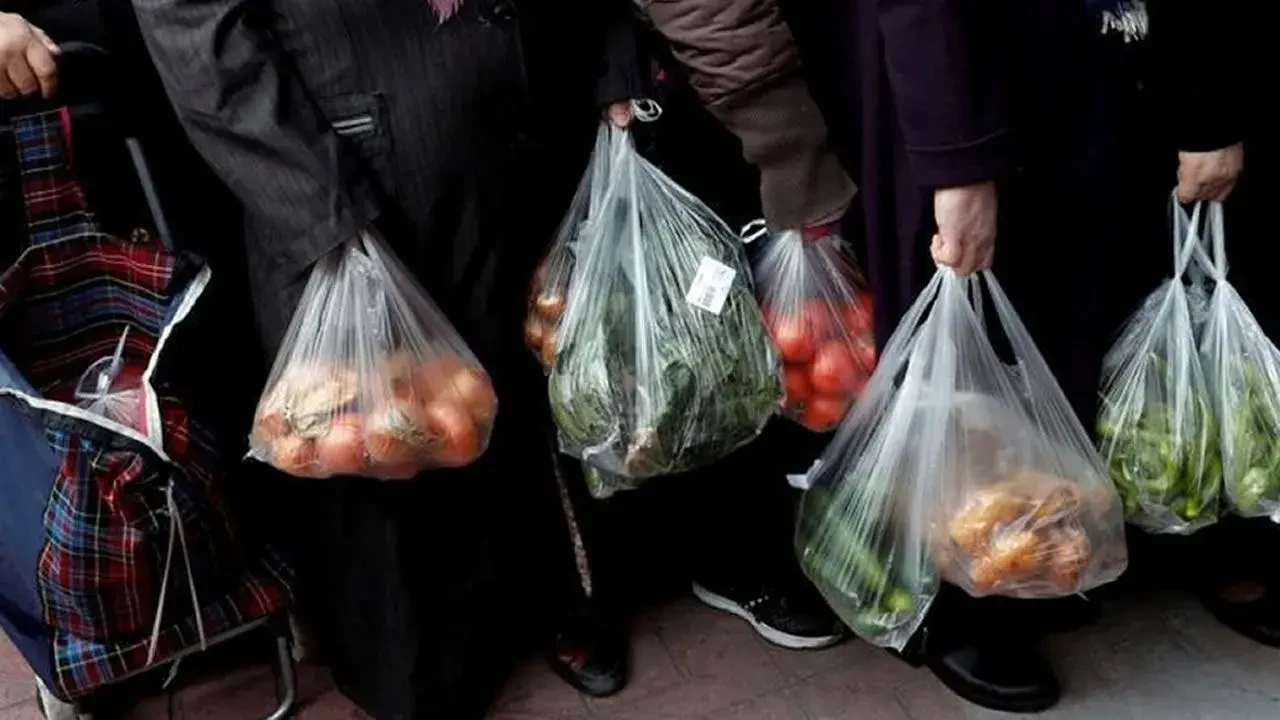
{"x":1076,"y":111}
{"x":456,"y":129}
{"x":924,"y":123}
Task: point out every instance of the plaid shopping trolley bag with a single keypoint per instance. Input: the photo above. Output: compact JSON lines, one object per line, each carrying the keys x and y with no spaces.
{"x":117,"y":549}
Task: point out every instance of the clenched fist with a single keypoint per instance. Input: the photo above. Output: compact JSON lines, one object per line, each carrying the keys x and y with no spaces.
{"x":1209,"y":175}
{"x":966,"y":217}
{"x":27,"y":59}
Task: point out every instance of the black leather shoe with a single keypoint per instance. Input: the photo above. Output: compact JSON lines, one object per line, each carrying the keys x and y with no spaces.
{"x":1258,"y":620}
{"x":590,"y":653}
{"x":1008,"y":676}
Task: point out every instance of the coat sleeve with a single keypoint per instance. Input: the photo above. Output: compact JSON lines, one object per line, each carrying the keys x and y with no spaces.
{"x":1198,"y":49}
{"x":625,"y":71}
{"x":745,"y":66}
{"x":250,"y":116}
{"x":945,"y":81}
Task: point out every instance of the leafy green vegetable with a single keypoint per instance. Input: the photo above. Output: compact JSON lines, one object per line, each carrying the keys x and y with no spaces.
{"x":644,"y":383}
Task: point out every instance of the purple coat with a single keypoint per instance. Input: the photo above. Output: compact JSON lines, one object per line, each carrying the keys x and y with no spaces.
{"x":1084,"y":127}
{"x":917,"y":106}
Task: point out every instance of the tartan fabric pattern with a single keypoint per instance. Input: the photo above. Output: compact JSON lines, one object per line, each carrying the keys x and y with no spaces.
{"x":75,"y":300}
{"x":85,"y":665}
{"x":55,"y":202}
{"x":63,"y":305}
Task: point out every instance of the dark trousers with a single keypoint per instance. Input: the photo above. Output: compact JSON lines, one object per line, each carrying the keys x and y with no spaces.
{"x":728,"y":525}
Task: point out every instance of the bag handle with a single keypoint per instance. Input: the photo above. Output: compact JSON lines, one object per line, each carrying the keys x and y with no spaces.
{"x":1186,"y":235}
{"x":23,"y":126}
{"x":1211,"y":251}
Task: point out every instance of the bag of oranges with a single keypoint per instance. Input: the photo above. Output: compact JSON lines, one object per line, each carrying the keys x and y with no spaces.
{"x":818,"y":310}
{"x":372,"y":379}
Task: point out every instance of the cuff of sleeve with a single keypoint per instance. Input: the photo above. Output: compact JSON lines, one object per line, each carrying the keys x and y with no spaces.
{"x":1211,"y":134}
{"x":988,"y":158}
{"x":622,"y":77}
{"x":350,"y":215}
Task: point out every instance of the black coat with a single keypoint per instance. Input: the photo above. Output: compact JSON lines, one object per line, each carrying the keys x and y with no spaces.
{"x":446,"y":128}
{"x":1098,"y":122}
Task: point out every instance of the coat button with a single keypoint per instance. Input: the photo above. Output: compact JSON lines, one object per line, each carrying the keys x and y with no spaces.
{"x":500,"y":12}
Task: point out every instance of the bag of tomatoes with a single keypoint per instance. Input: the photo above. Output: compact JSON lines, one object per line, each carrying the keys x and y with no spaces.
{"x":961,"y":465}
{"x":818,"y":311}
{"x":550,"y":283}
{"x":372,"y":380}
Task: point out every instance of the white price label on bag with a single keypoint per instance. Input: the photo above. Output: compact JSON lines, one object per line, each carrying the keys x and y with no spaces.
{"x":711,"y":285}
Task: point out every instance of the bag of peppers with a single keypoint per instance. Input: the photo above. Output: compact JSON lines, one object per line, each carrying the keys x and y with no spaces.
{"x":1157,"y":428}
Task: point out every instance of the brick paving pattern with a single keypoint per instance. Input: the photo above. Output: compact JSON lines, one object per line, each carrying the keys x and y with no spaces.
{"x":1155,"y":656}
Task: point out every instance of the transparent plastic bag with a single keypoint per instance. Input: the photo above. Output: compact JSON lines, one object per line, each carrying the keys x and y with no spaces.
{"x":550,"y":286}
{"x":818,"y":311}
{"x":1242,"y":369}
{"x":371,"y":380}
{"x":662,"y":364}
{"x":1156,"y":426}
{"x":955,"y":466}
{"x":113,"y":389}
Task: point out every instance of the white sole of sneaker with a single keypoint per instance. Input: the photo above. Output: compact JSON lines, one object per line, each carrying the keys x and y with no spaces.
{"x":772,"y":635}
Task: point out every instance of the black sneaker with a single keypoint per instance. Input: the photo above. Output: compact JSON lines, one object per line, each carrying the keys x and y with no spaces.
{"x":796,"y":619}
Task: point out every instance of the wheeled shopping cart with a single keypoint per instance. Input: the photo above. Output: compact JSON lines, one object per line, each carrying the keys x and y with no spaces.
{"x":118,"y":552}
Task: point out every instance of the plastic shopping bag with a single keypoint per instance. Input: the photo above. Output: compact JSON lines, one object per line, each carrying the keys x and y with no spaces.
{"x":818,"y":310}
{"x":956,"y":466}
{"x":550,"y":283}
{"x":1156,"y":426}
{"x":662,"y":362}
{"x":113,"y":390}
{"x":1242,"y":369}
{"x":371,"y":380}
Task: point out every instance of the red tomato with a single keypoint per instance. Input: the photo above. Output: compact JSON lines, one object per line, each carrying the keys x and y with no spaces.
{"x":821,"y":319}
{"x":857,"y":319}
{"x":341,"y":450}
{"x":435,"y":376}
{"x":833,"y":369}
{"x":453,"y":425}
{"x":793,"y":340}
{"x":472,"y":389}
{"x":824,"y":412}
{"x":795,"y":380}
